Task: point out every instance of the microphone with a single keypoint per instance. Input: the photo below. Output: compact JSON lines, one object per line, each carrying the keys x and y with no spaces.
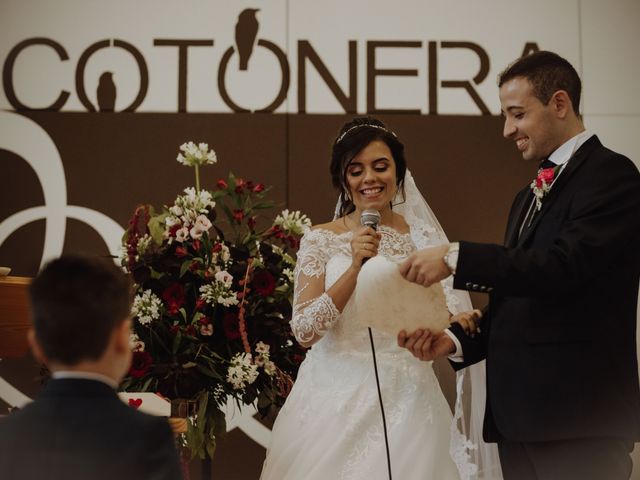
{"x":370,"y":218}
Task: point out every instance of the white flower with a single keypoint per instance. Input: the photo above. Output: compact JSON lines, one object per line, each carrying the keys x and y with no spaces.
{"x":182,"y":234}
{"x":242,"y":371}
{"x":136,"y":344}
{"x":225,"y":254}
{"x":206,"y":330}
{"x":292,"y":222}
{"x":224,"y":277}
{"x":287,"y":272}
{"x":218,"y":293}
{"x":176,"y":210}
{"x":146,"y":307}
{"x":202,"y":225}
{"x":143,"y":244}
{"x":171,"y":221}
{"x":269,"y":368}
{"x":262,"y":347}
{"x":192,"y":154}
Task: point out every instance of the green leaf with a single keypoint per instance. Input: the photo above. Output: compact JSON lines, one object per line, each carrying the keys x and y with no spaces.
{"x":209,"y":372}
{"x":176,"y":342}
{"x":156,"y":227}
{"x":185,"y":267}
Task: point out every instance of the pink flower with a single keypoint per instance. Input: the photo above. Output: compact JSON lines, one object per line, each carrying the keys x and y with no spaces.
{"x":258,"y":188}
{"x":221,"y":184}
{"x":206,"y":330}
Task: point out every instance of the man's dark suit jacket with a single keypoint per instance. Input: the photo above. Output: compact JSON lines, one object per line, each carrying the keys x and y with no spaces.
{"x":80,"y":430}
{"x":559,"y":334}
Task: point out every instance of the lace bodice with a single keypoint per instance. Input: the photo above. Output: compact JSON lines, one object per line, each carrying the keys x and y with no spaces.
{"x":323,"y":257}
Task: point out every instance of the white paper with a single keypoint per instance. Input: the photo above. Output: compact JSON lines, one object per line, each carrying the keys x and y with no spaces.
{"x":388,"y":302}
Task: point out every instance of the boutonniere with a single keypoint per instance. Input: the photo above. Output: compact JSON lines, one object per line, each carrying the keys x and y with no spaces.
{"x":542,"y":183}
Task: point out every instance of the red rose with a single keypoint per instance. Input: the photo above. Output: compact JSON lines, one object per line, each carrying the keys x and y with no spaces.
{"x":258,"y":188}
{"x":264,"y":283}
{"x":238,"y":215}
{"x":222,"y":185}
{"x":546,"y":175}
{"x":173,"y":295}
{"x":140,"y":364}
{"x":181,"y":252}
{"x":231,"y":326}
{"x":240,"y":183}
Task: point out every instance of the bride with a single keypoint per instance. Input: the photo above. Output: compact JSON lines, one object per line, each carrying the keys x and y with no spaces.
{"x":331,"y":426}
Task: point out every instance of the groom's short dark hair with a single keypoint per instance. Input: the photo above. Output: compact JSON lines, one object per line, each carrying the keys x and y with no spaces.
{"x":76,"y":303}
{"x":547,"y":72}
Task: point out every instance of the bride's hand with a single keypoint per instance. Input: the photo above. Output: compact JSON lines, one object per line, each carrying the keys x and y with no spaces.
{"x":469,"y":321}
{"x":364,"y":244}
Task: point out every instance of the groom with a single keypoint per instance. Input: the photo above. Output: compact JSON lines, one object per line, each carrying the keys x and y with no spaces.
{"x":559,"y":333}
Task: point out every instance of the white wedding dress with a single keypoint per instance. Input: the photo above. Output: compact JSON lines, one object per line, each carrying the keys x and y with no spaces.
{"x":330,"y":427}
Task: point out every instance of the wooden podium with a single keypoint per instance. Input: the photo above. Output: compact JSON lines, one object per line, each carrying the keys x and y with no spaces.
{"x":14,"y":316}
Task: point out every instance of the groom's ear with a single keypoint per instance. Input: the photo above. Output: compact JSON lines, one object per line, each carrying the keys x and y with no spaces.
{"x":561,"y":104}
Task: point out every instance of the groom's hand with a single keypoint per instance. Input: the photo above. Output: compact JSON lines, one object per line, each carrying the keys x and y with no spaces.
{"x":426,"y":345}
{"x":426,"y":267}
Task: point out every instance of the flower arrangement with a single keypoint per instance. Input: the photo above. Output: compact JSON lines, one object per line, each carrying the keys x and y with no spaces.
{"x":213,"y":300}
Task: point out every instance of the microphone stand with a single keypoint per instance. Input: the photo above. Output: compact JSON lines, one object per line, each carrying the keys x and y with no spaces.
{"x":370,"y":218}
{"x":384,"y":420}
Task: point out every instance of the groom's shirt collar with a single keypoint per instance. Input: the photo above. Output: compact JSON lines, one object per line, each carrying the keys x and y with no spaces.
{"x":85,"y":376}
{"x":565,"y":151}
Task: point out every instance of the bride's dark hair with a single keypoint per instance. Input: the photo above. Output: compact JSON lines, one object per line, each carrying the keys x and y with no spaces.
{"x":354,"y":136}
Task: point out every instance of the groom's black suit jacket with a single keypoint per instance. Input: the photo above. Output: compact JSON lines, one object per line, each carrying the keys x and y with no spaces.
{"x":80,"y":430}
{"x":559,"y":334}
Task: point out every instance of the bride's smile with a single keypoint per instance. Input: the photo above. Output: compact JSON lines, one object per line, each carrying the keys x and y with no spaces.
{"x":371,"y":177}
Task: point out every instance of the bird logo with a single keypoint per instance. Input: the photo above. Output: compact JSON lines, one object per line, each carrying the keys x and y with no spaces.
{"x":106,"y":93}
{"x":246,"y":33}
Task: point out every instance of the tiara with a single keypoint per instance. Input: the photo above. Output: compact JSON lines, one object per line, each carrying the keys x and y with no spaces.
{"x":364,"y":125}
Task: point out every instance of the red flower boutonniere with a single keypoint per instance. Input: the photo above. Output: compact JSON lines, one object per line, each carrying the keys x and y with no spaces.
{"x":542,"y":184}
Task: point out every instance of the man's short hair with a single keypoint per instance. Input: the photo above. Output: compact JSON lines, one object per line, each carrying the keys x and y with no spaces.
{"x":76,"y":303}
{"x":547,"y":72}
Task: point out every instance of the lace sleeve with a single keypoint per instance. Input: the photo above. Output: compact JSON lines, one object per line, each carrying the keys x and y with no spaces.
{"x":313,"y":310}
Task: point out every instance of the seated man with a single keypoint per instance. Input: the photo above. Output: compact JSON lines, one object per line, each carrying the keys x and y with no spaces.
{"x":78,"y":428}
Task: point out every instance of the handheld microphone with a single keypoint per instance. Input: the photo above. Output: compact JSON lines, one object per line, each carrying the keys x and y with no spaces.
{"x":370,"y":218}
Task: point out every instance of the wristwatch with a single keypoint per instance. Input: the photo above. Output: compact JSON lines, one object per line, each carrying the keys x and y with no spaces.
{"x":451,"y":257}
